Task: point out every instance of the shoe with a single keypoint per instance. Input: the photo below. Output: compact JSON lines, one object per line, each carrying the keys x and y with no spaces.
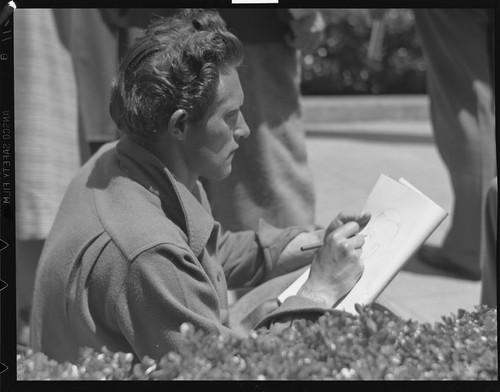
{"x":23,"y":336}
{"x":433,"y":257}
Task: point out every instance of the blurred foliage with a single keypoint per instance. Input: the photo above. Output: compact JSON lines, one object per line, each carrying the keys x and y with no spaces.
{"x":376,"y":345}
{"x":341,"y":64}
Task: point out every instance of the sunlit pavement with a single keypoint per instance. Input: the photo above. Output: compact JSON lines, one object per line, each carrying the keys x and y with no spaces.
{"x":350,"y":142}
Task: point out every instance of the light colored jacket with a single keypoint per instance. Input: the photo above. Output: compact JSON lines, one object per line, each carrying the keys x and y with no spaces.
{"x":133,"y":254}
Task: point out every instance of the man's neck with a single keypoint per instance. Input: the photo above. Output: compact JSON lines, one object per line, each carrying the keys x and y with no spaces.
{"x":171,"y":157}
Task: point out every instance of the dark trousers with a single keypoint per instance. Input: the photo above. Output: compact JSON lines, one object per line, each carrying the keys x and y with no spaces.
{"x":457,"y":46}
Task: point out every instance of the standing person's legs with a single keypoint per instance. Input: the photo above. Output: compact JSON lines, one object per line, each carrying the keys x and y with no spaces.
{"x":27,"y":255}
{"x":47,"y":137}
{"x":489,"y":247}
{"x":270,"y":177}
{"x":459,"y":77}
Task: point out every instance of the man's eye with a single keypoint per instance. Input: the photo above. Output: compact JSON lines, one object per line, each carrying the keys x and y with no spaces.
{"x":231,"y":117}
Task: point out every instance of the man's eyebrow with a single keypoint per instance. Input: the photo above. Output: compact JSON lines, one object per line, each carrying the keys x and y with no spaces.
{"x":232,"y":112}
{"x":232,"y":106}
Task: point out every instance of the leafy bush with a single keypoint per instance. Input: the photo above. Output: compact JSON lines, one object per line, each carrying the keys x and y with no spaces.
{"x":374,"y":346}
{"x":341,"y":66}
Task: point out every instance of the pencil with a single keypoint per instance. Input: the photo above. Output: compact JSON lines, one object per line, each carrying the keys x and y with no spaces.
{"x":316,"y":245}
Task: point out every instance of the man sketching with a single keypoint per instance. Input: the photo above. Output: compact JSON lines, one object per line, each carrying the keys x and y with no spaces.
{"x":134,"y":251}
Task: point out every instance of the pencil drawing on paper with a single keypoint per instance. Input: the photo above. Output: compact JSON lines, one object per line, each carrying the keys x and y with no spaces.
{"x":381,"y":232}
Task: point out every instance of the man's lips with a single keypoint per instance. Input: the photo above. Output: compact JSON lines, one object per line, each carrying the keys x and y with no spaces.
{"x":233,"y":153}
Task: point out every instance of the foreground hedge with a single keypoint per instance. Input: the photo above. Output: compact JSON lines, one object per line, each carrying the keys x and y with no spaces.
{"x":374,"y":346}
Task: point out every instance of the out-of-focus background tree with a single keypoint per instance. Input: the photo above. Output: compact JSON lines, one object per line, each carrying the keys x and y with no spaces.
{"x":341,"y":65}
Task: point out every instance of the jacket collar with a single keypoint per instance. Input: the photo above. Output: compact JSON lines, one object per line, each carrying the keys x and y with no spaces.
{"x":190,"y":211}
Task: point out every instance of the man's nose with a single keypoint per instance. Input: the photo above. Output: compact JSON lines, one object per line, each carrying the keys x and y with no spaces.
{"x":242,"y":130}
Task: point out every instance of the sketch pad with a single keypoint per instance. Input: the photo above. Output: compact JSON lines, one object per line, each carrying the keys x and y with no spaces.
{"x":402,"y":218}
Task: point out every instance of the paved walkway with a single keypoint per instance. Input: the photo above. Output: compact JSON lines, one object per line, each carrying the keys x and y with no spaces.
{"x":350,"y":142}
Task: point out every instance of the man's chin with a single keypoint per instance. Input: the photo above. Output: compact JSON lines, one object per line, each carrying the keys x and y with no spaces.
{"x":226,"y":173}
{"x":222,"y":175}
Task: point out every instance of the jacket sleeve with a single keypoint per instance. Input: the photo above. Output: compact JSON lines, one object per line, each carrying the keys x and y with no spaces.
{"x":260,"y":307}
{"x":250,"y":258}
{"x":164,"y":288}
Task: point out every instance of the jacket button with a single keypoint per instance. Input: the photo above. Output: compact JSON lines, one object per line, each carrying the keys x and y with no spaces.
{"x":219,"y":276}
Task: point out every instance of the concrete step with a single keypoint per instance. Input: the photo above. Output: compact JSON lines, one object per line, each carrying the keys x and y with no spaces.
{"x":365,"y":108}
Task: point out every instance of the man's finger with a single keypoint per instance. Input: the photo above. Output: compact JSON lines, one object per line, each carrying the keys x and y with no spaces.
{"x":347,"y":230}
{"x":356,"y":241}
{"x":349,"y":251}
{"x":357,"y":253}
{"x":345,"y":217}
{"x":361,"y":218}
{"x":364,"y":218}
{"x":341,"y":219}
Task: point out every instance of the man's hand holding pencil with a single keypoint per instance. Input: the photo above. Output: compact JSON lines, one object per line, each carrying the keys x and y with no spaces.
{"x":337,"y":265}
{"x":341,"y":219}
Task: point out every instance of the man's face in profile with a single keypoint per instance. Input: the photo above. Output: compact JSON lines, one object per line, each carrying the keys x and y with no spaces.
{"x":211,"y":142}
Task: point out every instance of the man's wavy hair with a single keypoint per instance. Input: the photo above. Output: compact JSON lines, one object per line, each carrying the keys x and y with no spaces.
{"x":175,"y":65}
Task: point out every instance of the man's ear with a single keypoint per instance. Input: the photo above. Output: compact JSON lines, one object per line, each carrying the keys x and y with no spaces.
{"x":176,"y":126}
